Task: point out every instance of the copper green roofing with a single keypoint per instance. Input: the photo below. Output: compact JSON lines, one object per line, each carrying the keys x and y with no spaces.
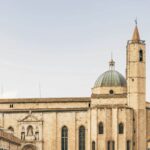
{"x":110,"y":78}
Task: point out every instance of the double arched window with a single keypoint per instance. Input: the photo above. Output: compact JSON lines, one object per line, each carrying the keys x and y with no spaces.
{"x":64,"y":138}
{"x":100,"y":128}
{"x":82,"y":138}
{"x":120,"y":128}
{"x":110,"y":145}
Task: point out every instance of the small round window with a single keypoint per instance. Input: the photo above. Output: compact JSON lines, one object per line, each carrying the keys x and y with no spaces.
{"x":111,"y":92}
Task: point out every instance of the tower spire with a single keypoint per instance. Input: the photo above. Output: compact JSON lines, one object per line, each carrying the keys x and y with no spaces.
{"x":136,"y":35}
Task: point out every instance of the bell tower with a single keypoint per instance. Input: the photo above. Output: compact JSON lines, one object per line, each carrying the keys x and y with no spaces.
{"x":136,"y":87}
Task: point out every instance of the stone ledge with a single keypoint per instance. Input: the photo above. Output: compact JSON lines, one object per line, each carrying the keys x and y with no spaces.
{"x":45,"y":100}
{"x":109,"y":96}
{"x":44,"y":110}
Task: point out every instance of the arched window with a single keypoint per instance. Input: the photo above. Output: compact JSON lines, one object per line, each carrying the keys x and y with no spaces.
{"x":82,"y":138}
{"x":101,"y":128}
{"x":140,"y":55}
{"x":30,"y":131}
{"x":64,"y":138}
{"x":128,"y":145}
{"x":93,"y":145}
{"x":113,"y":145}
{"x":11,"y":129}
{"x":108,"y":145}
{"x":120,"y":128}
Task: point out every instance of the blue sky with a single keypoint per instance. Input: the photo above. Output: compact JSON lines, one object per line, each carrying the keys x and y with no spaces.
{"x":64,"y":45}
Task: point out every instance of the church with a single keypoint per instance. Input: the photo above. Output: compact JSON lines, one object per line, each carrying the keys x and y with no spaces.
{"x":115,"y":117}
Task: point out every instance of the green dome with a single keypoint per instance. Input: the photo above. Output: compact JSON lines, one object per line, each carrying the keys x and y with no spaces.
{"x":110,"y":78}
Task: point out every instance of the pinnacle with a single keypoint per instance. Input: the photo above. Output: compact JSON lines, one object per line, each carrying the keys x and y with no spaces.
{"x":136,"y":36}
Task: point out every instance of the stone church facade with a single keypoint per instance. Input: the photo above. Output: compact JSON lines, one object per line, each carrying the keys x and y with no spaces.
{"x":115,"y":117}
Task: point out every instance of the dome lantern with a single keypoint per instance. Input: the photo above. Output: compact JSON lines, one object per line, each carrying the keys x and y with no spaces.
{"x":112,"y":64}
{"x":111,"y":78}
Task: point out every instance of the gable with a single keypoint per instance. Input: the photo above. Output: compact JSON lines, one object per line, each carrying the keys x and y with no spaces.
{"x":30,"y":118}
